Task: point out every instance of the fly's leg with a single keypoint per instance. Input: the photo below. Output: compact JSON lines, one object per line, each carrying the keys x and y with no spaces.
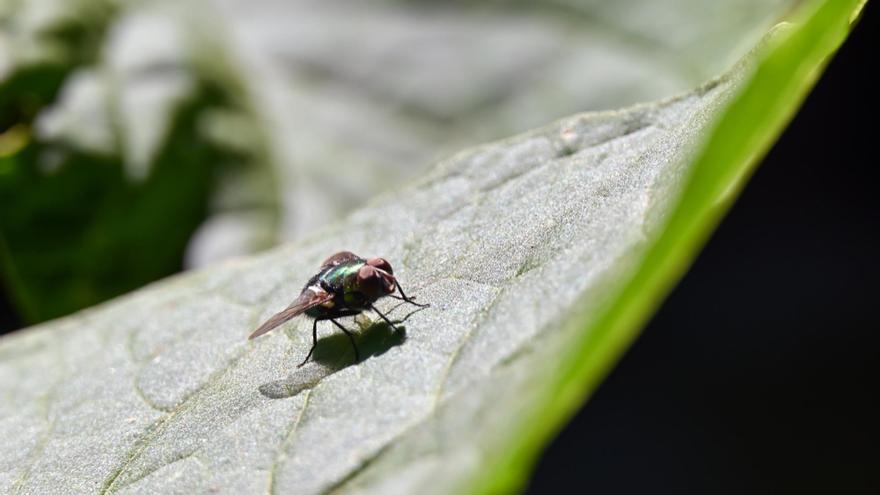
{"x":384,"y":318}
{"x":314,"y":341}
{"x":404,"y":298}
{"x":357,"y":355}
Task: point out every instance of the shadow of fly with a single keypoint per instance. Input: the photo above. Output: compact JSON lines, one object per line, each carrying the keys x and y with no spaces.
{"x":345,"y":285}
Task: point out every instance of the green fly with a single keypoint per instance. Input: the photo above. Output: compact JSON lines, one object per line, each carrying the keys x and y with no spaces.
{"x":345,"y":285}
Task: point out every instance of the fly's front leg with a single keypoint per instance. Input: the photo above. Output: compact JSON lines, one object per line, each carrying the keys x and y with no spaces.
{"x":406,"y":299}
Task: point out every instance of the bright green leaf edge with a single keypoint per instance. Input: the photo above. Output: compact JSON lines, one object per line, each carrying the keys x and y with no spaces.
{"x":743,"y":133}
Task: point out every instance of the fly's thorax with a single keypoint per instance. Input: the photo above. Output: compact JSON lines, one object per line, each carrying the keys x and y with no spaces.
{"x":355,"y":284}
{"x":342,"y":281}
{"x":341,"y":277}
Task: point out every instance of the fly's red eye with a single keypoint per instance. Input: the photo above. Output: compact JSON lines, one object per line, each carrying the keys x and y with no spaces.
{"x":381,"y":264}
{"x":367,"y":273}
{"x":374,"y":283}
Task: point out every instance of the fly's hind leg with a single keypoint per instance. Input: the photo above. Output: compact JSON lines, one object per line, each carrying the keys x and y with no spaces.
{"x":332,"y":320}
{"x":357,"y":354}
{"x":314,"y":341}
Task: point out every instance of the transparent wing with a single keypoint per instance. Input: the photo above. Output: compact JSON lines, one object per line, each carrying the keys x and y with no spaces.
{"x":309,"y":298}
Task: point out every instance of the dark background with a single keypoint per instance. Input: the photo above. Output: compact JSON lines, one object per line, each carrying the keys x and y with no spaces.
{"x":761,"y":372}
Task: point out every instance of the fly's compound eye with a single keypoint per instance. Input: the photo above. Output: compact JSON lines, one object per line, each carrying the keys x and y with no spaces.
{"x":381,"y":264}
{"x":374,"y":281}
{"x":368,"y":275}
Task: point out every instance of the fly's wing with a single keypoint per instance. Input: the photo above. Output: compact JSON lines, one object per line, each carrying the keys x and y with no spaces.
{"x":339,"y":258}
{"x":309,"y":298}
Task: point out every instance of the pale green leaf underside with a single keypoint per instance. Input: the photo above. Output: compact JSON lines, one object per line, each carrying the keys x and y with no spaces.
{"x":159,"y":392}
{"x":503,"y":240}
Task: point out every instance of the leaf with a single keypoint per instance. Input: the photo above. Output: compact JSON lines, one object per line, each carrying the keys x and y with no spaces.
{"x":351,"y":98}
{"x":269,"y":108}
{"x":167,"y":88}
{"x":541,"y":255}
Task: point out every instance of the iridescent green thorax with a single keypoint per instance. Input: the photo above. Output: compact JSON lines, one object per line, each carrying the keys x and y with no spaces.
{"x":340,"y":281}
{"x":342,"y":277}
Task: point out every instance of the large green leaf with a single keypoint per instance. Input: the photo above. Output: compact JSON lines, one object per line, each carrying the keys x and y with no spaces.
{"x":540,"y":254}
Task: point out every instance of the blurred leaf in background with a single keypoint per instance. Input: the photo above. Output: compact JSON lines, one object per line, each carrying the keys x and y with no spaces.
{"x":104,"y":178}
{"x":142,"y":137}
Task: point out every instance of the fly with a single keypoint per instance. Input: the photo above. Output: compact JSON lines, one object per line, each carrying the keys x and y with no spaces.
{"x":345,"y":285}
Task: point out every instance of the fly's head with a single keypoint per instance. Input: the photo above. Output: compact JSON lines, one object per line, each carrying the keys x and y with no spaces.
{"x":376,"y":278}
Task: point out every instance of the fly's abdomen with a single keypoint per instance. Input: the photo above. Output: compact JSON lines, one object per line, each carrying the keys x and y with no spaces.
{"x":354,"y":299}
{"x":316,"y":312}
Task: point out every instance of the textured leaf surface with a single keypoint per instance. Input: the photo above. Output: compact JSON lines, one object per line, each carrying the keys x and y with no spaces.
{"x":159,"y":392}
{"x":348,"y":98}
{"x":352,"y":97}
{"x":260,"y":120}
